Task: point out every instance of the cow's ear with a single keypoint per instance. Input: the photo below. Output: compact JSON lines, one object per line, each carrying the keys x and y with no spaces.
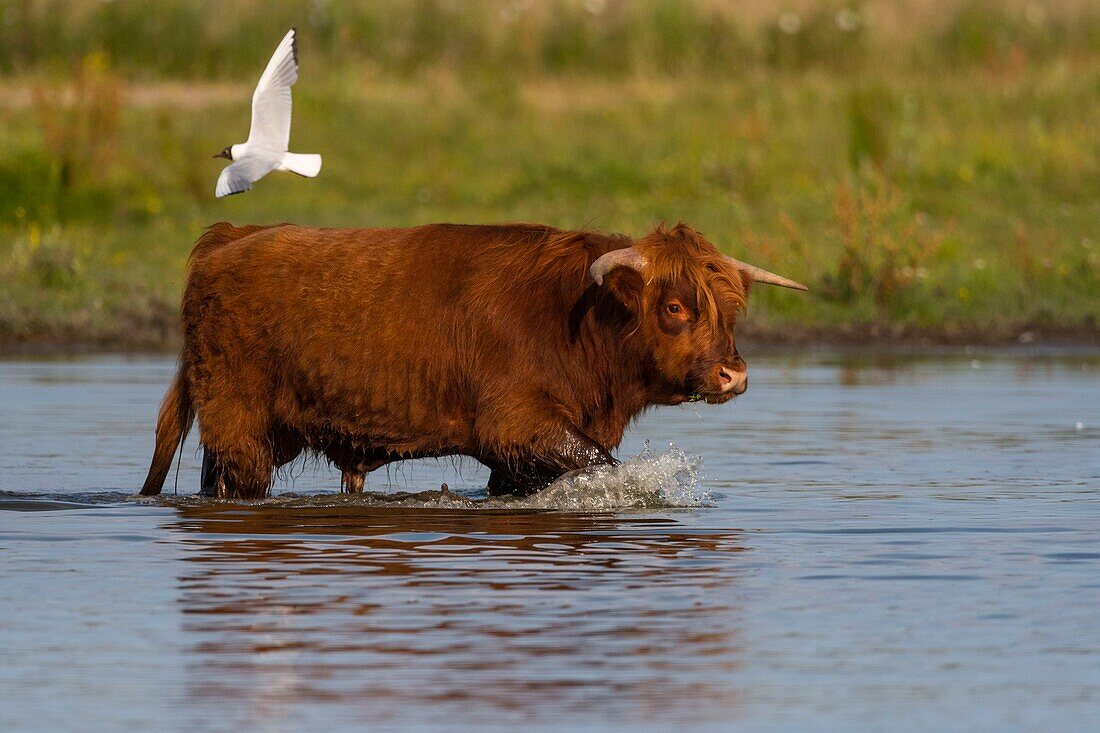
{"x":626,"y":284}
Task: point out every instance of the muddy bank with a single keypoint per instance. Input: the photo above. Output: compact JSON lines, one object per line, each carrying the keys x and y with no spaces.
{"x":157,"y":333}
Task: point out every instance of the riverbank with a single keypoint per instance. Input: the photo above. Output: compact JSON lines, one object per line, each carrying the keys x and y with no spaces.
{"x":161,"y":337}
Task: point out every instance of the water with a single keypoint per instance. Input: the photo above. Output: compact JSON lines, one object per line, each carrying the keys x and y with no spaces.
{"x":876,"y":542}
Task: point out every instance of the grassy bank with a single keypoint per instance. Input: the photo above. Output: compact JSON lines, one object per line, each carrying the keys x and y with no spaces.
{"x":927,"y":179}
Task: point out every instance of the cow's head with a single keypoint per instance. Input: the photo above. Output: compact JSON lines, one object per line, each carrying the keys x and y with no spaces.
{"x":685,"y":297}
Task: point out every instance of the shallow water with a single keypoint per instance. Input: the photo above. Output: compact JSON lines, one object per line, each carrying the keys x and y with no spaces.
{"x":877,"y":542}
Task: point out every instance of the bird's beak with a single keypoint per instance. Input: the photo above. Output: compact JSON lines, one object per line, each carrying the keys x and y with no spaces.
{"x":222,"y":154}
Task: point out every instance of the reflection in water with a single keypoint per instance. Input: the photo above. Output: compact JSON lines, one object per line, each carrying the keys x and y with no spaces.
{"x":503,"y":617}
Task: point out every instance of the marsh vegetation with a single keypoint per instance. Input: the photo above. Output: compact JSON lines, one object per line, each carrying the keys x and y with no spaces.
{"x":929,"y":169}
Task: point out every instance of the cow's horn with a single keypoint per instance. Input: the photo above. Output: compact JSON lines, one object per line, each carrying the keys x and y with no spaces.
{"x":626,"y":257}
{"x":763,"y":276}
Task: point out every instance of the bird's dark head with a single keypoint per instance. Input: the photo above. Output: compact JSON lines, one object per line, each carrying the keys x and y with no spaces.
{"x":227,"y":153}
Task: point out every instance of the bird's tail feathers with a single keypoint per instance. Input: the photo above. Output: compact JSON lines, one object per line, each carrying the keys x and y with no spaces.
{"x":304,"y":164}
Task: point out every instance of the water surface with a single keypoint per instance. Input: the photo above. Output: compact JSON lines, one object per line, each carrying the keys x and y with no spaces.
{"x":877,"y":542}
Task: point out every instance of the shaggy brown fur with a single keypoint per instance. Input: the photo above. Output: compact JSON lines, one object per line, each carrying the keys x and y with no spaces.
{"x":375,"y":345}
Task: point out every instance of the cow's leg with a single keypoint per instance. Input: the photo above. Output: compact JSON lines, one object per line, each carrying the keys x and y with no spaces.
{"x":576,"y":450}
{"x":215,"y":481}
{"x":212,"y":475}
{"x":352,"y":481}
{"x":235,"y":426}
{"x":248,"y":471}
{"x":355,"y":467}
{"x":519,"y":480}
{"x":569,"y":451}
{"x":241,"y":470}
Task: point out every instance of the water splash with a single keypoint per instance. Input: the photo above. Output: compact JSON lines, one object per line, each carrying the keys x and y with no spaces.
{"x":647,"y":481}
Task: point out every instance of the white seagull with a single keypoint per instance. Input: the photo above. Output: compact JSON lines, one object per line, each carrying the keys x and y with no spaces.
{"x":265,"y":150}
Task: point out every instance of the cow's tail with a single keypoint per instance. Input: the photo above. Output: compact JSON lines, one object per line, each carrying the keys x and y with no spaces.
{"x":176,"y":416}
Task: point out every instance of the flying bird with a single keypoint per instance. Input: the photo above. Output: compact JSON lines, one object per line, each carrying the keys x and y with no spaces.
{"x":265,"y":150}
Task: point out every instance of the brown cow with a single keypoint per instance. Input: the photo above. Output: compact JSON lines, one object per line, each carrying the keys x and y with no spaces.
{"x":525,"y":347}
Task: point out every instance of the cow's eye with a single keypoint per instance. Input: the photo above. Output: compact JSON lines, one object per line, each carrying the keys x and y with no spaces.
{"x":674,"y":308}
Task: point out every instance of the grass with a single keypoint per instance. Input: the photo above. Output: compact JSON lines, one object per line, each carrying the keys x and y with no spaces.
{"x":935,"y":179}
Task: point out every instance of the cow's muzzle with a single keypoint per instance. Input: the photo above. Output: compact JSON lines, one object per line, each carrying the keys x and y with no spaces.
{"x":732,"y":377}
{"x":733,"y":381}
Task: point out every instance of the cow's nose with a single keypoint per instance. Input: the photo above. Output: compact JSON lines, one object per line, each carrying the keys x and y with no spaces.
{"x":730,"y":380}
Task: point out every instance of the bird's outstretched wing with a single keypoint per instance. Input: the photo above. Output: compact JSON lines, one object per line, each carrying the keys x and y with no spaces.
{"x":237,"y":177}
{"x":271,"y":101}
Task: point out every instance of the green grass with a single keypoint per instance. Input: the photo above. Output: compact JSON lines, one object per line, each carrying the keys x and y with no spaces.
{"x":945,"y":186}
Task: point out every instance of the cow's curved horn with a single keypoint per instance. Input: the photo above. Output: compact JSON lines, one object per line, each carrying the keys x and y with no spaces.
{"x":763,"y":276}
{"x":626,"y":257}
